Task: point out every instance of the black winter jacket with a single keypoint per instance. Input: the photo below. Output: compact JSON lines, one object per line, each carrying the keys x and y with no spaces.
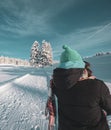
{"x":81,"y":103}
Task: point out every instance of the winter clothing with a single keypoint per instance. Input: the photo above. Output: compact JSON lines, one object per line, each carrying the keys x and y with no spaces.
{"x":70,"y":59}
{"x":80,"y":103}
{"x":51,"y":108}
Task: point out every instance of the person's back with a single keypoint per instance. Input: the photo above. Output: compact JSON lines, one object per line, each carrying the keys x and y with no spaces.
{"x":81,"y":101}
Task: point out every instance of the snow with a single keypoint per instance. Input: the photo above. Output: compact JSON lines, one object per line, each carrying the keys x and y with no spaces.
{"x":22,"y":99}
{"x":23,"y":94}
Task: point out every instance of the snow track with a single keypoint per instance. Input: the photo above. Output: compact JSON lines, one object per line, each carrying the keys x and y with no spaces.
{"x":22,"y":103}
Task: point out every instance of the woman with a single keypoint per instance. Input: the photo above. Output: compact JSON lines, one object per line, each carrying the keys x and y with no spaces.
{"x":81,"y":100}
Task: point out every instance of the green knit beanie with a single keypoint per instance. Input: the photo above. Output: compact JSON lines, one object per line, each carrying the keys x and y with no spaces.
{"x":70,"y":59}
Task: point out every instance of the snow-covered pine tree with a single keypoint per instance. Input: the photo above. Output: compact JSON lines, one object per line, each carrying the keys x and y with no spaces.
{"x":35,"y":55}
{"x":46,"y":54}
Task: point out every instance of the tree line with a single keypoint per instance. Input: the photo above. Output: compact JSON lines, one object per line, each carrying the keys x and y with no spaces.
{"x":14,"y":61}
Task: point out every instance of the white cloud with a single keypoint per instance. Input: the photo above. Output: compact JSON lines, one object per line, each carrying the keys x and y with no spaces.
{"x":99,"y":31}
{"x":28,"y":18}
{"x":89,"y":37}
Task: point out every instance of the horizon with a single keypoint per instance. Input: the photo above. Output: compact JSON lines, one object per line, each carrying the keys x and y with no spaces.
{"x":57,"y":61}
{"x":83,"y":25}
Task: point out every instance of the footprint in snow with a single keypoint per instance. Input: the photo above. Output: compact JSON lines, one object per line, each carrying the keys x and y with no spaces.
{"x":37,"y":127}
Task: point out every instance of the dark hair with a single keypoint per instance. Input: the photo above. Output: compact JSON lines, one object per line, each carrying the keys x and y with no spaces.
{"x":89,"y":72}
{"x":87,"y":67}
{"x":87,"y":64}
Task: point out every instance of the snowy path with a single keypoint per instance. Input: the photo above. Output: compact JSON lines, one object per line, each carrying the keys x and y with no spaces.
{"x":22,"y":103}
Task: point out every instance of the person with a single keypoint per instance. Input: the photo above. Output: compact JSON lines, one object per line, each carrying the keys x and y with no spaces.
{"x":81,"y":100}
{"x":50,"y":105}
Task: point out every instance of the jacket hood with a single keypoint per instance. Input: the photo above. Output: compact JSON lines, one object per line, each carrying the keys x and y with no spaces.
{"x":66,"y":78}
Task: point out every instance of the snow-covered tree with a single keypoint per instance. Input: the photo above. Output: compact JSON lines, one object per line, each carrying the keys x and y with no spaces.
{"x":41,"y":56}
{"x":46,"y":53}
{"x":35,"y":54}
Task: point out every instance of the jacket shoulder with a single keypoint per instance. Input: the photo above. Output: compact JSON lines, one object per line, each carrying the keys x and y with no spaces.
{"x":99,"y":81}
{"x":103,"y":87}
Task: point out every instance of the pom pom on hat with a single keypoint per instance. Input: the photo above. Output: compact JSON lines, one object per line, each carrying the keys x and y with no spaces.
{"x":70,"y":59}
{"x":65,"y":47}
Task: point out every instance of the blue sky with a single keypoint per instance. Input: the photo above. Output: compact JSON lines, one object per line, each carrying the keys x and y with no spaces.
{"x":85,"y":25}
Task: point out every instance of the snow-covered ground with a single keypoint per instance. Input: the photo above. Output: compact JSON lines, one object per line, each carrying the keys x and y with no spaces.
{"x":23,"y":94}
